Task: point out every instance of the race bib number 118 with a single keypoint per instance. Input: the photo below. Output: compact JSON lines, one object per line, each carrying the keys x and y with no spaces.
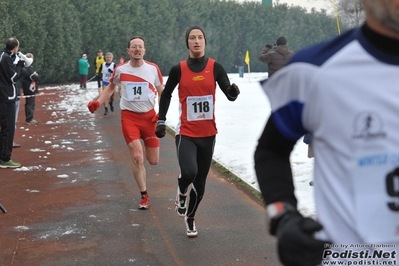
{"x":200,"y":108}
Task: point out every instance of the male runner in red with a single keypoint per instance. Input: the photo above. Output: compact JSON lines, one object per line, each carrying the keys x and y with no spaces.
{"x":196,"y":130}
{"x":141,"y":82}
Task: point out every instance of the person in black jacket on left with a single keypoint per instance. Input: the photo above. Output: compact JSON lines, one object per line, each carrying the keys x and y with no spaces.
{"x":29,"y":84}
{"x":9,"y":74}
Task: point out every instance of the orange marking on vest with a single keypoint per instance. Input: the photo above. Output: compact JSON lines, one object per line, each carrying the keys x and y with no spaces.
{"x":198,"y":78}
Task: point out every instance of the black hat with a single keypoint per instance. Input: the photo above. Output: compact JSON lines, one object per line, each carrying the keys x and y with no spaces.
{"x":281,"y":41}
{"x":194,"y":28}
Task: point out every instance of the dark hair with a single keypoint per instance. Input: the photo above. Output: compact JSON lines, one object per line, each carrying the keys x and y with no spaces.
{"x":12,"y":43}
{"x":281,"y":41}
{"x":134,"y":37}
{"x":194,"y":28}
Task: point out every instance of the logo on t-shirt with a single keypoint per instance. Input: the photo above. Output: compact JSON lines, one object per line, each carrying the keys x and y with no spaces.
{"x":198,"y":78}
{"x":368,"y":125}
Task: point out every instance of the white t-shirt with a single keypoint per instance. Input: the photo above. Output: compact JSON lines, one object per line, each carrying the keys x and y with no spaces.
{"x":106,"y":71}
{"x":138,"y":86}
{"x":346,"y":94}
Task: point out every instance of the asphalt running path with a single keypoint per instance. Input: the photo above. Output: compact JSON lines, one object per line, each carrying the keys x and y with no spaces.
{"x":75,"y":202}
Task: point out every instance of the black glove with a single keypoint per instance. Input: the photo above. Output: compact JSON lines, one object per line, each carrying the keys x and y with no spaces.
{"x":269,"y":46}
{"x":99,"y":76}
{"x":21,"y":64}
{"x":160,"y":131}
{"x":110,"y":70}
{"x":296,"y":244}
{"x":233,"y":90}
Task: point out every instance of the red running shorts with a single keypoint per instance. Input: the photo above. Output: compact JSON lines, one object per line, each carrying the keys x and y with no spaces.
{"x":140,"y":126}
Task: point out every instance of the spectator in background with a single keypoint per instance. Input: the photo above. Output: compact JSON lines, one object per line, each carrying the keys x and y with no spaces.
{"x":276,"y":56}
{"x":9,"y":74}
{"x":17,"y":102}
{"x":29,"y":83}
{"x":84,"y":65}
{"x":121,"y":62}
{"x":107,"y":68}
{"x":239,"y":63}
{"x":98,"y":61}
{"x":307,"y":139}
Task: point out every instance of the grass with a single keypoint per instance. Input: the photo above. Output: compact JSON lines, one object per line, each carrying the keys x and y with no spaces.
{"x":237,"y":180}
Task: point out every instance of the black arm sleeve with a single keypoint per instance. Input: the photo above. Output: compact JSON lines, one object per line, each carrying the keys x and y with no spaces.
{"x":223,"y":80}
{"x":11,"y":70}
{"x":27,"y":75}
{"x":272,"y":166}
{"x":35,"y":77}
{"x":171,"y":83}
{"x":24,"y":73}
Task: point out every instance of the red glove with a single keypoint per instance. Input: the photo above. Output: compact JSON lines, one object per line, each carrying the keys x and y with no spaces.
{"x":93,"y":106}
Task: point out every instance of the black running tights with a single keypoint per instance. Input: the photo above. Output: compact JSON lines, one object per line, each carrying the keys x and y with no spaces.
{"x":195,"y":158}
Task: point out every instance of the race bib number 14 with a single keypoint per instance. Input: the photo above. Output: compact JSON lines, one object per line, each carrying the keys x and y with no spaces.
{"x":137,"y":91}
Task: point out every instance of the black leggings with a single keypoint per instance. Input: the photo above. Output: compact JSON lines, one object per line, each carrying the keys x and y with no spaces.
{"x":98,"y":78}
{"x":7,"y":124}
{"x":29,"y":108}
{"x":195,"y":158}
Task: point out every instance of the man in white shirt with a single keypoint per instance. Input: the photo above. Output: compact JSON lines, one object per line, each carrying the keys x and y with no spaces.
{"x":141,"y":82}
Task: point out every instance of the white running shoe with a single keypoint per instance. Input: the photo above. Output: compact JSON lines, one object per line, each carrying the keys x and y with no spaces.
{"x":190,"y":226}
{"x":180,"y":204}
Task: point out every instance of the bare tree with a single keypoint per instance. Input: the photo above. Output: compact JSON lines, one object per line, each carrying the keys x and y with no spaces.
{"x":350,"y":12}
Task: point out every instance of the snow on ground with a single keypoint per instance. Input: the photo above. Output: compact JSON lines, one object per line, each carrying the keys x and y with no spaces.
{"x":239,"y":124}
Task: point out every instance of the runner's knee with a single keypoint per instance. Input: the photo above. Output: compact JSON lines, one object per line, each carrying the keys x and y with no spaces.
{"x":152,"y":152}
{"x":138,"y":159}
{"x":188,"y":174}
{"x":136,"y":152}
{"x":153,"y":160}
